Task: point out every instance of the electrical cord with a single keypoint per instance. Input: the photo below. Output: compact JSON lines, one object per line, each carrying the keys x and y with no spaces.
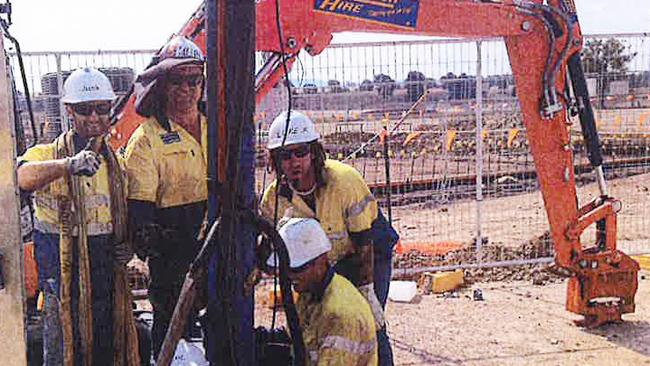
{"x":278,"y":169}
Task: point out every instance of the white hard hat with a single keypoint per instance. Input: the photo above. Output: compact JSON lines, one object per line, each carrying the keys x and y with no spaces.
{"x":181,"y":47}
{"x":305,"y":241}
{"x":85,"y":85}
{"x":301,"y":130}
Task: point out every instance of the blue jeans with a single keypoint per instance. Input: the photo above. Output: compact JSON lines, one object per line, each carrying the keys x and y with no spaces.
{"x":46,"y":250}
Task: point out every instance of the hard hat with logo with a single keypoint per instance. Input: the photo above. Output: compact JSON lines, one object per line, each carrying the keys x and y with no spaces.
{"x":180,"y":48}
{"x":85,"y":85}
{"x":305,"y":241}
{"x":178,"y":51}
{"x":301,"y":130}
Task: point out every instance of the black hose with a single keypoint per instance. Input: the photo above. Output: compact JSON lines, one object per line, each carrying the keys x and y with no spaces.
{"x":28,"y":98}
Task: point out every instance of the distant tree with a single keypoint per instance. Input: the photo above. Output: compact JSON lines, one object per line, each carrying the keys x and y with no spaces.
{"x":334,"y":86}
{"x":608,"y":59}
{"x":385,"y":85}
{"x":640,"y":80}
{"x":459,"y":87}
{"x":366,"y":85}
{"x":415,"y":81}
{"x":310,"y":89}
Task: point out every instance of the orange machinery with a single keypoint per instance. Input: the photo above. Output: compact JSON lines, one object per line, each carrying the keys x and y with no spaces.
{"x":543,"y":40}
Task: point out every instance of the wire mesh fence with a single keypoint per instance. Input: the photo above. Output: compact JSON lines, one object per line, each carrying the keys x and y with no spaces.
{"x":353,"y":91}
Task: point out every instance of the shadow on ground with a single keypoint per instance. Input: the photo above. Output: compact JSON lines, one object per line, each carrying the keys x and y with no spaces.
{"x":633,"y":335}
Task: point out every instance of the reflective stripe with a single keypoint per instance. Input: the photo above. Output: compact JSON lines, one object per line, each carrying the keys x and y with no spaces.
{"x":91,"y":202}
{"x":348,"y":345}
{"x":358,"y":208}
{"x":338,"y":236}
{"x":94,"y":228}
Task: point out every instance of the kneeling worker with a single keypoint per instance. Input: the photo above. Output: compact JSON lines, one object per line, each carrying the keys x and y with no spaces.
{"x":338,"y":325}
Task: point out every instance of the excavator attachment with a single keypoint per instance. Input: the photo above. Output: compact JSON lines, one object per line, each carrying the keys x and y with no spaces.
{"x":605,"y":279}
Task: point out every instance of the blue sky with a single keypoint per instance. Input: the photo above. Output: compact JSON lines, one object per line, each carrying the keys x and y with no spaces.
{"x":45,"y":25}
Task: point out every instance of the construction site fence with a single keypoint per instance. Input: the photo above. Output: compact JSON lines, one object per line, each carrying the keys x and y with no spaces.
{"x":461,"y":173}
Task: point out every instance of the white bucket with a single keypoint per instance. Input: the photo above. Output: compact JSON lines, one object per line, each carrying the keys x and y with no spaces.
{"x":188,"y":354}
{"x":402,"y":291}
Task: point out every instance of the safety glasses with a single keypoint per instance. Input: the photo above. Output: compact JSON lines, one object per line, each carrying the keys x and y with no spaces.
{"x":86,"y":109}
{"x":299,"y":152}
{"x":191,"y":80}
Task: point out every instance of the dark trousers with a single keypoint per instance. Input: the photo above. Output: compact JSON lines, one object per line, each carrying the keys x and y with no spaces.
{"x":382,"y":272}
{"x":168,"y":264}
{"x":46,"y":250}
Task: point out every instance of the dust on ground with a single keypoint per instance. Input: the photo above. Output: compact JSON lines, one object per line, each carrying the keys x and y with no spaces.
{"x":517,"y":323}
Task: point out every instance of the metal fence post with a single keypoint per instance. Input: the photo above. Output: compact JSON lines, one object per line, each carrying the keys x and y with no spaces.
{"x":479,"y":145}
{"x":59,"y":91}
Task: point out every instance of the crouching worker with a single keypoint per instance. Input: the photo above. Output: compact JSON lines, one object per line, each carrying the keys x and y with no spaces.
{"x":337,"y":322}
{"x":80,"y":233}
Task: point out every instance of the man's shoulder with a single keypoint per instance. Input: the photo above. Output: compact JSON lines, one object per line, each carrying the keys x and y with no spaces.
{"x":39,"y":152}
{"x":343,"y":302}
{"x":341,"y":172}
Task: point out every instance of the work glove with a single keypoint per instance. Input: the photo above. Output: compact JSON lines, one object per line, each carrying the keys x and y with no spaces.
{"x":85,"y":163}
{"x":368,"y":291}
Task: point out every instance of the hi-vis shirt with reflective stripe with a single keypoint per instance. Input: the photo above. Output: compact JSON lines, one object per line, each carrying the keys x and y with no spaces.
{"x":338,"y":329}
{"x":345,"y":205}
{"x":96,"y":194}
{"x":167,"y":168}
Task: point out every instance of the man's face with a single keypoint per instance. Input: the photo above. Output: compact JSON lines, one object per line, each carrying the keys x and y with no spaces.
{"x":295,"y":161}
{"x":308,"y":276}
{"x":91,"y":119}
{"x":183,"y":86}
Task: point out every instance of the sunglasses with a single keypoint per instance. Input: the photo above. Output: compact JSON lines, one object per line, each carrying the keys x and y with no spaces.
{"x":299,"y":152}
{"x":86,"y":109}
{"x":191,"y":80}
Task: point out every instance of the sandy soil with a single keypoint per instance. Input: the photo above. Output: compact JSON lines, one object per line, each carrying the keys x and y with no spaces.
{"x":512,"y":220}
{"x":517,"y":324}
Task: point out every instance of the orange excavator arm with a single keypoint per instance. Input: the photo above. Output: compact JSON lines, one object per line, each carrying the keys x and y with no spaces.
{"x":543,"y":40}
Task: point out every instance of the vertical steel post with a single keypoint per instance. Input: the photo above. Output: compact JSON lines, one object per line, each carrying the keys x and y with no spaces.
{"x":230,"y":311}
{"x":479,"y":144}
{"x":64,"y":123}
{"x":12,"y":316}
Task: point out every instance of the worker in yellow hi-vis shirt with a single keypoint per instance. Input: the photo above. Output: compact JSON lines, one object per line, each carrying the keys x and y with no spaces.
{"x":167,"y":170}
{"x":80,"y":233}
{"x":311,"y":185}
{"x":337,"y":324}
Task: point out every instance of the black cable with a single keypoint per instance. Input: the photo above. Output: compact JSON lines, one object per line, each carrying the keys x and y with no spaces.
{"x":278,"y":171}
{"x":28,"y":99}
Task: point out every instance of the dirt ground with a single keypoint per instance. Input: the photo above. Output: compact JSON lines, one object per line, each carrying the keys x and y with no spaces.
{"x":517,"y":324}
{"x":509,"y":221}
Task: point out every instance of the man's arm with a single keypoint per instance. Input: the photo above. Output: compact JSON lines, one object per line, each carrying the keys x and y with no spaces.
{"x":342,"y":343}
{"x":35,"y":175}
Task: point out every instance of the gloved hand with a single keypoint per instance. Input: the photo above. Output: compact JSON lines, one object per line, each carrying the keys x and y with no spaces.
{"x":368,"y":291}
{"x":85,"y":163}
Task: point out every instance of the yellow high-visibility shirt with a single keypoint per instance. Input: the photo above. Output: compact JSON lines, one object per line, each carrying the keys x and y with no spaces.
{"x":338,"y":325}
{"x":96,"y":193}
{"x":167,"y":168}
{"x":344,"y":205}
